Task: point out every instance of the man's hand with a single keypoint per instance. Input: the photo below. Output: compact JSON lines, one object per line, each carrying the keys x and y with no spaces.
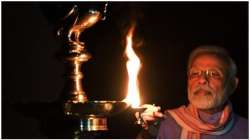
{"x":151,"y":114}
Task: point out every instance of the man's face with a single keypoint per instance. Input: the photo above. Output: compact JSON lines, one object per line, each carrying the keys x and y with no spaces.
{"x":206,"y":76}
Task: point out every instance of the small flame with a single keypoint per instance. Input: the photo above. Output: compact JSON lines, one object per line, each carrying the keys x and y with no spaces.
{"x":133,"y":66}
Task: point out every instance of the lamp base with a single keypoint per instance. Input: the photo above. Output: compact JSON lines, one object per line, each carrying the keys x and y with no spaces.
{"x":93,"y":123}
{"x":93,"y":114}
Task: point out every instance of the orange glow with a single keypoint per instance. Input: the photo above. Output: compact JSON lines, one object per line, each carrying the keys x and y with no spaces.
{"x":133,"y":66}
{"x":92,"y":20}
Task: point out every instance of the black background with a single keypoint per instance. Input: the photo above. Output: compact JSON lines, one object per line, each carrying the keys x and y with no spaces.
{"x":166,"y":32}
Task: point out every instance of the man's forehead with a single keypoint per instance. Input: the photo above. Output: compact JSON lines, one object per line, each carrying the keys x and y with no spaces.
{"x":208,"y":61}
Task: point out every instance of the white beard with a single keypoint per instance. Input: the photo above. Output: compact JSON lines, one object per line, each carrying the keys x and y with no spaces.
{"x":209,"y":100}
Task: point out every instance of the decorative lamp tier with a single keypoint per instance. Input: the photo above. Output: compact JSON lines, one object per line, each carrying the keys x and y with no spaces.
{"x":92,"y":114}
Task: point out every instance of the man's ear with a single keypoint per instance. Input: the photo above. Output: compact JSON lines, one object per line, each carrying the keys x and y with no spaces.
{"x":236,"y":81}
{"x":233,"y":85}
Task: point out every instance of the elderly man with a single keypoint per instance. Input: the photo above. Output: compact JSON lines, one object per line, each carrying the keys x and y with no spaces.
{"x":211,"y":80}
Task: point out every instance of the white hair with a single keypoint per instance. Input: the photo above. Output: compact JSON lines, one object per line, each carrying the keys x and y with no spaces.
{"x":219,"y":52}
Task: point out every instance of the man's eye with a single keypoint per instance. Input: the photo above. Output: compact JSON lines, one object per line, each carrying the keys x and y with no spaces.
{"x":194,"y":74}
{"x":215,"y":74}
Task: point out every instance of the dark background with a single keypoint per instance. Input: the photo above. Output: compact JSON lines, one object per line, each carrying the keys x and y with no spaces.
{"x":166,"y":32}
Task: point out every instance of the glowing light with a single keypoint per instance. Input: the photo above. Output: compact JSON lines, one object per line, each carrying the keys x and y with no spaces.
{"x":133,"y":66}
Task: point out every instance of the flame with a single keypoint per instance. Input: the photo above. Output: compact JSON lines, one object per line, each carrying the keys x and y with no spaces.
{"x":133,"y":66}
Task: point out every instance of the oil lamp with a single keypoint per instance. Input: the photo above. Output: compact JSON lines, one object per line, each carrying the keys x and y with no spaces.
{"x":92,"y":114}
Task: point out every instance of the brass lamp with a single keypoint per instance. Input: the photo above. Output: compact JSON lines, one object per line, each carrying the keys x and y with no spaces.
{"x":92,"y":114}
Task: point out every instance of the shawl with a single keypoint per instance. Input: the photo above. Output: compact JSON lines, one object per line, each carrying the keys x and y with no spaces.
{"x":192,"y":126}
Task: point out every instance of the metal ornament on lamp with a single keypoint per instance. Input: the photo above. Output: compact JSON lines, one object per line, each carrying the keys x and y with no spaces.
{"x":92,"y":114}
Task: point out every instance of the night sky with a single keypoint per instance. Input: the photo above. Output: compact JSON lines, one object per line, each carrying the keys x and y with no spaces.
{"x":33,"y":74}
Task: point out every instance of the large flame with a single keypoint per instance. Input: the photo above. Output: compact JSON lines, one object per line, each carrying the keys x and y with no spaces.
{"x":133,"y":66}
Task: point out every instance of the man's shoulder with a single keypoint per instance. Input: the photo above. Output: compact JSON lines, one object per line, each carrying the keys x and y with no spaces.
{"x":240,"y":118}
{"x":240,"y":127}
{"x":241,"y":121}
{"x":168,"y":117}
{"x":169,"y":128}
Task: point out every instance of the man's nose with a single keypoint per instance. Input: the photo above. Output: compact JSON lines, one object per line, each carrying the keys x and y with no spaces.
{"x":203,"y":79}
